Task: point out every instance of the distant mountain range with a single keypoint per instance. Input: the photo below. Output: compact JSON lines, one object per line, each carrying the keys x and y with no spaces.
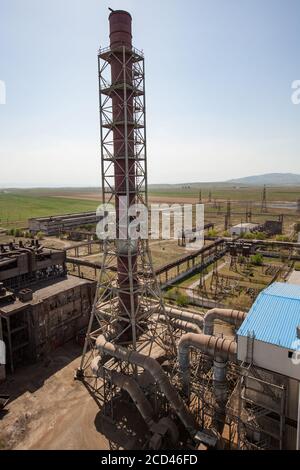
{"x":270,"y":179}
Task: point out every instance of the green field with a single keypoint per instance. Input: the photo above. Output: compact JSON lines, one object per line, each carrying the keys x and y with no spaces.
{"x":240,"y":193}
{"x":18,"y":205}
{"x":16,"y":209}
{"x":221,"y":191}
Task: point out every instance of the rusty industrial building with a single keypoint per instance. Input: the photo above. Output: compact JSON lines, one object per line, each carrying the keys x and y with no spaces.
{"x":41,"y":306}
{"x":56,"y":224}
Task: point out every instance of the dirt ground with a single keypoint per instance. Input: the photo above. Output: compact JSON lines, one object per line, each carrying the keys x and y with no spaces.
{"x":49,"y":409}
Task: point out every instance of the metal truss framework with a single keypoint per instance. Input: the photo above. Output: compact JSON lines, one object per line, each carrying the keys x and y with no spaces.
{"x":111,"y":316}
{"x":248,"y":424}
{"x":132,"y":82}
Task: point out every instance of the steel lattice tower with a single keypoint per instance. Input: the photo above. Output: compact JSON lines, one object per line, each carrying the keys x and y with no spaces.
{"x":249,"y":211}
{"x":200,"y":197}
{"x":227,"y":224}
{"x":264,"y":207}
{"x":128,"y":307}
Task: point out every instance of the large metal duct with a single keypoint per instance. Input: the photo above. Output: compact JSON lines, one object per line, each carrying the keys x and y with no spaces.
{"x":220,"y":388}
{"x":185,"y":315}
{"x":178,"y":324}
{"x":221,"y":350}
{"x":224,"y":349}
{"x":127,"y":383}
{"x":155,"y":370}
{"x":185,"y":326}
{"x":233,"y":317}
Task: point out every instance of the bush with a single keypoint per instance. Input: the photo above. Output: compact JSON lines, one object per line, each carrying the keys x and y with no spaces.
{"x":15,"y":232}
{"x":282,"y":238}
{"x":40,"y":235}
{"x":181,"y":299}
{"x":177,"y":296}
{"x":243,"y":302}
{"x":249,"y":236}
{"x":212,"y":232}
{"x":260,"y":235}
{"x":257,"y":260}
{"x":255,"y":235}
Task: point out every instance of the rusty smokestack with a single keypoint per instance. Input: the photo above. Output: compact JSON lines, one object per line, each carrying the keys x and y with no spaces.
{"x":124,"y":158}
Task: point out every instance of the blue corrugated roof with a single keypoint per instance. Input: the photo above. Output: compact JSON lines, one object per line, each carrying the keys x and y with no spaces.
{"x":274,"y":316}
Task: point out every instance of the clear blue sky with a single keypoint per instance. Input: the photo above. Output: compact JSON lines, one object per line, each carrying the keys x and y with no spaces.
{"x":219,"y":76}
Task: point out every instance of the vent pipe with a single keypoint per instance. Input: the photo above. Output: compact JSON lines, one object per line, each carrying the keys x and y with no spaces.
{"x":155,"y":370}
{"x":233,"y":317}
{"x":212,"y":346}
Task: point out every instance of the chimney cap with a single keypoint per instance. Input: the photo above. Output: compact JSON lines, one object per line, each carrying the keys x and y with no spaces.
{"x":113,"y":12}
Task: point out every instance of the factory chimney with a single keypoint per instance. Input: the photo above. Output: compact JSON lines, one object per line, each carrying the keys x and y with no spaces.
{"x":122,"y":95}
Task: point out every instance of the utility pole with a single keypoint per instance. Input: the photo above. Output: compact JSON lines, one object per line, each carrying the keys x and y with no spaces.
{"x":264,"y":207}
{"x":228,"y":216}
{"x":200,"y":197}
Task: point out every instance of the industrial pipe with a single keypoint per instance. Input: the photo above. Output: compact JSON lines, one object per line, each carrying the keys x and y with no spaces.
{"x":155,"y":370}
{"x":222,"y":348}
{"x":128,"y":384}
{"x":179,"y":324}
{"x":185,"y":326}
{"x":185,"y":315}
{"x":124,"y":382}
{"x":220,"y":393}
{"x":233,"y":317}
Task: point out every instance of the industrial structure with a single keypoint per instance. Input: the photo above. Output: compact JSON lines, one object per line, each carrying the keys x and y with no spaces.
{"x":166,"y":377}
{"x":264,"y":206}
{"x":24,"y":264}
{"x":269,"y":341}
{"x":227,"y":216}
{"x":56,"y":224}
{"x":243,"y":228}
{"x":41,"y":306}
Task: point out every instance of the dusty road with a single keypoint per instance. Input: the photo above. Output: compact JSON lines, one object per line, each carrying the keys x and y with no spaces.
{"x":49,"y":409}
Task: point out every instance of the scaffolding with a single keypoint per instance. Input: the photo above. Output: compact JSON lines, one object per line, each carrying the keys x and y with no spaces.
{"x":254,"y":414}
{"x":262,"y":409}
